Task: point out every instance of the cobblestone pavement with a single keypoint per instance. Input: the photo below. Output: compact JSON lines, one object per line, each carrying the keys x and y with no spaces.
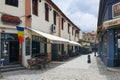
{"x":74,"y":69}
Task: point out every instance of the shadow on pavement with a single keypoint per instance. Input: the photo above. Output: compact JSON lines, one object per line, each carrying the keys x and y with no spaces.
{"x":52,"y":66}
{"x":104,"y":72}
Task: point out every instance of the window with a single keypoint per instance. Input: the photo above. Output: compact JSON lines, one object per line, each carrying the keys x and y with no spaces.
{"x":59,"y":47}
{"x":54,"y":16}
{"x":88,"y":39}
{"x":39,"y":46}
{"x":78,"y":33}
{"x":35,"y":48}
{"x":62,"y":48}
{"x":62,"y":22}
{"x":46,"y":12}
{"x":68,"y":28}
{"x":35,"y":7}
{"x":27,"y":41}
{"x":72,"y":30}
{"x":72,"y":48}
{"x":105,"y":43}
{"x":12,"y":2}
{"x":75,"y":33}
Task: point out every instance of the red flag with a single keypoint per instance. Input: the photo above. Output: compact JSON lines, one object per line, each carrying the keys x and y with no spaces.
{"x":21,"y":39}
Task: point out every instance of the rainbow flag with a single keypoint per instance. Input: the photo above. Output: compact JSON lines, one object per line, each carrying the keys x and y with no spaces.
{"x":20,"y":34}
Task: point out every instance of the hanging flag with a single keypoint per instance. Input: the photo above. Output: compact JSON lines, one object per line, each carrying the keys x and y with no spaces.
{"x":20,"y":33}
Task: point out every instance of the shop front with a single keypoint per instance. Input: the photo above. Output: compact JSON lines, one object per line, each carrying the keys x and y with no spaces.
{"x":39,"y":46}
{"x":110,"y":43}
{"x":55,"y":52}
{"x":55,"y":47}
{"x":111,"y":47}
{"x":9,"y":48}
{"x":9,"y":43}
{"x":117,"y":47}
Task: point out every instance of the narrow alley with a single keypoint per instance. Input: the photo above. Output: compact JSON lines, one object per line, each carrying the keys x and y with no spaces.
{"x":73,"y":69}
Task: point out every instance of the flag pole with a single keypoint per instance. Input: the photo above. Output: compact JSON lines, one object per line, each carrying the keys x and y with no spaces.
{"x":21,"y":40}
{"x":20,"y":54}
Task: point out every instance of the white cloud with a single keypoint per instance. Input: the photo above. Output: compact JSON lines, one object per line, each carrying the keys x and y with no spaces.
{"x":84,"y":15}
{"x":85,"y":21}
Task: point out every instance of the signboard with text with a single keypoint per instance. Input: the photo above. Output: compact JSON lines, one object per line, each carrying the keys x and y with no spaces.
{"x":10,"y":19}
{"x":116,"y":10}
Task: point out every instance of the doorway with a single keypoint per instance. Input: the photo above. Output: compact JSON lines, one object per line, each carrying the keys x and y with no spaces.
{"x":54,"y":52}
{"x":13,"y":51}
{"x":9,"y":48}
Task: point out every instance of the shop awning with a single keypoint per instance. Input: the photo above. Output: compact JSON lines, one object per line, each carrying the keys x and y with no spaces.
{"x":74,"y":43}
{"x":52,"y":38}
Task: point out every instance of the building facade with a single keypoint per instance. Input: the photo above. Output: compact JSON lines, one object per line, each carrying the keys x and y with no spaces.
{"x":90,"y":37}
{"x":90,"y":40}
{"x":47,"y":31}
{"x":108,"y":32}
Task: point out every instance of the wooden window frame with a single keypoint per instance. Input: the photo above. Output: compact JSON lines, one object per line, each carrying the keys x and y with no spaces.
{"x":14,"y":3}
{"x":75,"y":33}
{"x":35,"y":7}
{"x":55,"y":17}
{"x":62,"y":23}
{"x":46,"y":12}
{"x":72,"y":30}
{"x":69,"y":28}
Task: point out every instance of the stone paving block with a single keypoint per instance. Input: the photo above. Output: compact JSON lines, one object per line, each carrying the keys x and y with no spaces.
{"x":73,"y":69}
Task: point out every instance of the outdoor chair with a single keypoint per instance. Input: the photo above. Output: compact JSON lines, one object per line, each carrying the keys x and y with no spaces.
{"x":47,"y":61}
{"x":31,"y":63}
{"x":35,"y":63}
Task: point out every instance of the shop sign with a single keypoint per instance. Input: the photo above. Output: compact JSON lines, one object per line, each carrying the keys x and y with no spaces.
{"x":111,"y":23}
{"x":10,"y":19}
{"x":116,"y":10}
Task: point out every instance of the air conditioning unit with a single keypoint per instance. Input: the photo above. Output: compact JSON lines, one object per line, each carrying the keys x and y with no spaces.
{"x":53,"y":28}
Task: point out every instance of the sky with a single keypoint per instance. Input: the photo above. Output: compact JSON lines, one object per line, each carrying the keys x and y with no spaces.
{"x":83,"y":13}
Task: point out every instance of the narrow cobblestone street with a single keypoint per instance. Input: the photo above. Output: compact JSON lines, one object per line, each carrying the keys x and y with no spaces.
{"x":74,"y":69}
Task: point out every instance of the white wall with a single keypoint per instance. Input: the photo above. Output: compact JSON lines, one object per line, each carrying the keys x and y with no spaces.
{"x":81,"y":35}
{"x":10,"y":28}
{"x":64,"y":32}
{"x":39,"y":22}
{"x":11,"y":10}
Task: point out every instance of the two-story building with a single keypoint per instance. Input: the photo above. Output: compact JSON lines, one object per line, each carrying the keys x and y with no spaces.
{"x":108,"y":32}
{"x":90,"y":40}
{"x":90,"y":36}
{"x":47,"y":31}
